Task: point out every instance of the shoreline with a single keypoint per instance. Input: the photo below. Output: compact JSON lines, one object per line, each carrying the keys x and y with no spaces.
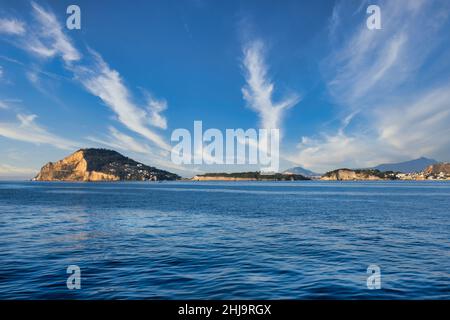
{"x":224,"y":180}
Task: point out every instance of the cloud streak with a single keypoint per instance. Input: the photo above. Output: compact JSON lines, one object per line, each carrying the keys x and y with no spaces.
{"x":155,"y":109}
{"x":102,"y":81}
{"x":50,"y":40}
{"x":107,"y":84}
{"x":380,"y":79}
{"x":26,"y":129}
{"x":9,"y":171}
{"x":122,"y":141}
{"x":258,"y":90}
{"x":11,"y":26}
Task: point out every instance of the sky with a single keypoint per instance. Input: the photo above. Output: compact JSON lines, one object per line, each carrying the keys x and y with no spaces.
{"x":341,"y":94}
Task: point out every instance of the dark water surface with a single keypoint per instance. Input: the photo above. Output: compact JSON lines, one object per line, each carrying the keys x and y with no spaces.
{"x":232,"y":240}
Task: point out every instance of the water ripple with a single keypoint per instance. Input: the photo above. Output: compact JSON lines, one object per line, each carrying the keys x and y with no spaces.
{"x":240,"y":240}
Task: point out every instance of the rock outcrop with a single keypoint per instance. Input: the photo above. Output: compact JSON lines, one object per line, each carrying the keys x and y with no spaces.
{"x":348,"y":174}
{"x":436,"y":169}
{"x":100,"y":165}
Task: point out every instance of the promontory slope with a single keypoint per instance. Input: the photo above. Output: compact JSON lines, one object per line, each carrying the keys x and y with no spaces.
{"x":100,"y":165}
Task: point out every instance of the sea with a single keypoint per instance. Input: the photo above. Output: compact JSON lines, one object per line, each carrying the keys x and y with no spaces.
{"x":225,"y":240}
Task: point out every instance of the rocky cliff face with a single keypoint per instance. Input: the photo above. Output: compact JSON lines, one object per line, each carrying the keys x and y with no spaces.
{"x":100,"y":165}
{"x":347,"y":174}
{"x":436,"y":169}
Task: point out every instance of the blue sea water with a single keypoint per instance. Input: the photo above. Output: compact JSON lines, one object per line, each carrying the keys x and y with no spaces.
{"x":225,"y":240}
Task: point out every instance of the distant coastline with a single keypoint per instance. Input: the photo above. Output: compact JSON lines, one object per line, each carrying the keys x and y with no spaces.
{"x":249,"y":176}
{"x":439,"y":171}
{"x":89,"y":165}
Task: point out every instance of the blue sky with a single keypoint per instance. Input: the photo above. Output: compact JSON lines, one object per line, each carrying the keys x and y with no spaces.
{"x":347,"y":96}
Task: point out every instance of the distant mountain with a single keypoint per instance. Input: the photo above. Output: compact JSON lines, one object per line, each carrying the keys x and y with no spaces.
{"x":100,"y":165}
{"x":417,"y":165}
{"x":301,"y":171}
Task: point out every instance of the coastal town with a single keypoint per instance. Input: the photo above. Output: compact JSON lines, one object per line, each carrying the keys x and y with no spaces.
{"x":434,"y":172}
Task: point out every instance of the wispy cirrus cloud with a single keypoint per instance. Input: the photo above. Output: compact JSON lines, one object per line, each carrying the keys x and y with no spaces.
{"x":11,"y":26}
{"x":155,"y":109}
{"x":107,"y":84}
{"x":9,"y":171}
{"x":3,"y":105}
{"x":48,"y":40}
{"x":258,"y":91}
{"x":45,"y":39}
{"x":419,"y":125}
{"x":381,"y":81}
{"x":370,"y":61}
{"x":98,"y":78}
{"x":33,"y":77}
{"x":7,"y":103}
{"x":121,"y":141}
{"x":26,"y":129}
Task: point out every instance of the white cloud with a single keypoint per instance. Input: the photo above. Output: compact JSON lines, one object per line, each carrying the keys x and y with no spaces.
{"x":95,"y":75}
{"x":27,"y":130}
{"x":368,"y":65}
{"x":46,"y":37}
{"x":49,"y":39}
{"x":101,"y":80}
{"x":11,"y":26}
{"x":9,"y":103}
{"x":339,"y":150}
{"x":33,"y":77}
{"x":9,"y":171}
{"x":259,"y":88}
{"x":122,"y":141}
{"x":418,"y":126}
{"x":107,"y":84}
{"x":390,"y":85}
{"x":155,"y":108}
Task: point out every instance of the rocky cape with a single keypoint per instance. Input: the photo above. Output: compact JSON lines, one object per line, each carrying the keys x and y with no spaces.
{"x":439,"y":171}
{"x":100,"y":165}
{"x":358,"y":174}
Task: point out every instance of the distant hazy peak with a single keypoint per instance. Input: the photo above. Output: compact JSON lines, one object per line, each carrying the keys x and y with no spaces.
{"x":416,"y":165}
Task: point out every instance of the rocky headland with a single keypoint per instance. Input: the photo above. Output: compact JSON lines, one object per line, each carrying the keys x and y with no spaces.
{"x":358,"y":174}
{"x":439,"y":171}
{"x":100,"y":165}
